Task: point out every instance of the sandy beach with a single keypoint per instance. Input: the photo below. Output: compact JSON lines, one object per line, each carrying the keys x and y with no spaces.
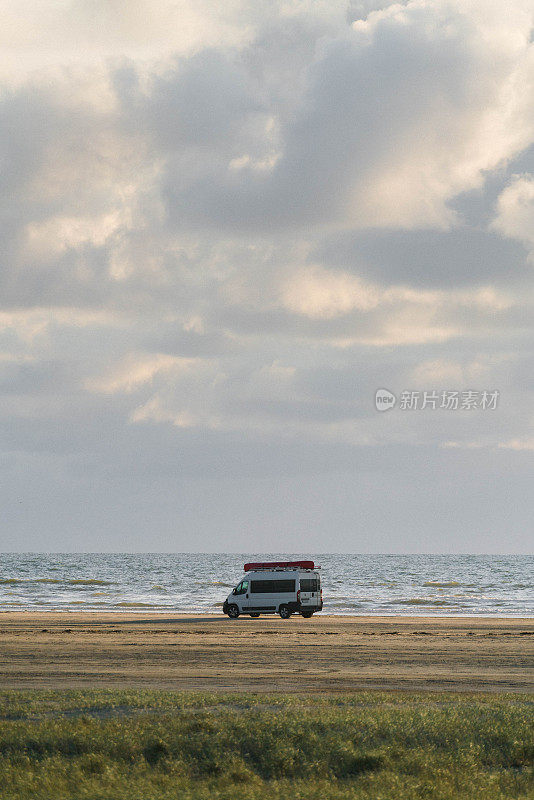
{"x":327,"y":653}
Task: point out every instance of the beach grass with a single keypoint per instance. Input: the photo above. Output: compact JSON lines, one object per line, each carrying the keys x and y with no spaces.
{"x":150,"y":745}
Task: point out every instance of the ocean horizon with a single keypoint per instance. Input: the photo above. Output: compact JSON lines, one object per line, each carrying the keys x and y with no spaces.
{"x":359,"y":584}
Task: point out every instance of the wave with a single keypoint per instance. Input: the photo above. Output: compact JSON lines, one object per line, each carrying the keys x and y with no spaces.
{"x":444,"y":585}
{"x":344,"y":604}
{"x":56,"y":581}
{"x":135,"y":605}
{"x":87,"y":582}
{"x":421,"y":601}
{"x":13,"y":581}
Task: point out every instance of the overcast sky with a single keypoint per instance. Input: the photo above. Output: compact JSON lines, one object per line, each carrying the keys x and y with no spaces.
{"x":224,"y":226}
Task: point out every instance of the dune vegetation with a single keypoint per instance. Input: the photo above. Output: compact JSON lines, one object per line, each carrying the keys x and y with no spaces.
{"x":147,"y":745}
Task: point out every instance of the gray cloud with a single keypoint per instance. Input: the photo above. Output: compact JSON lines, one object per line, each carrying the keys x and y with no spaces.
{"x":365,"y":89}
{"x":459,"y":257}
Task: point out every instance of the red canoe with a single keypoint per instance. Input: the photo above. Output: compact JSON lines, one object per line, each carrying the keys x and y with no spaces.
{"x":278,"y":565}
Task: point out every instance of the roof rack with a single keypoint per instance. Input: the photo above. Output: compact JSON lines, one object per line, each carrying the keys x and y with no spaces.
{"x":279,"y":565}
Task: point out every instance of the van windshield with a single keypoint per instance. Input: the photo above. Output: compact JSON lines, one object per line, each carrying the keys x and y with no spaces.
{"x":309,"y":584}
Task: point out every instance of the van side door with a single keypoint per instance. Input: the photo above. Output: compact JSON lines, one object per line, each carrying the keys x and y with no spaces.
{"x":261,"y":596}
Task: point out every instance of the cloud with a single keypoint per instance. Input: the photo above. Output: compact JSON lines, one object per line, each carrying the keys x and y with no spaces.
{"x":85,"y":33}
{"x":225,"y":226}
{"x":325,"y":294}
{"x":515,"y":211}
{"x":518,"y":444}
{"x":135,"y":371}
{"x":461,"y":256}
{"x":450,"y":88}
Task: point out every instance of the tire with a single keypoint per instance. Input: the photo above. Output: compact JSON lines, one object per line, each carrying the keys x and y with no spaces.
{"x":255,"y":614}
{"x":284,"y":611}
{"x":233,"y":611}
{"x":307,"y":614}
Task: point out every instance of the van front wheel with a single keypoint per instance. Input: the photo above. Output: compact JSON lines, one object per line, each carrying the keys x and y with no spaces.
{"x":284,"y":611}
{"x":233,"y":611}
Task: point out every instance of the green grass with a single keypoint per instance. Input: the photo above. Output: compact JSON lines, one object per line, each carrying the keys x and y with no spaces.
{"x":142,"y":745}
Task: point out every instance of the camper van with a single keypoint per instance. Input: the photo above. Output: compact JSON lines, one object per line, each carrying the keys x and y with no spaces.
{"x":276,"y":587}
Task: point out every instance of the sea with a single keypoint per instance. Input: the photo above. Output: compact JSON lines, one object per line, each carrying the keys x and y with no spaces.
{"x":440,"y":585}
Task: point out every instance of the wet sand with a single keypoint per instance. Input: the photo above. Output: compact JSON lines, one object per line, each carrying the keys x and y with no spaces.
{"x":54,"y":650}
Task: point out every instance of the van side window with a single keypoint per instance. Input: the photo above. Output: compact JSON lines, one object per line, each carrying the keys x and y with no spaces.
{"x":272,"y":587}
{"x":242,"y":588}
{"x":309,"y":585}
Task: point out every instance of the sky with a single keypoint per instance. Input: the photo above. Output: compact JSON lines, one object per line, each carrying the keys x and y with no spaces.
{"x":224,"y":227}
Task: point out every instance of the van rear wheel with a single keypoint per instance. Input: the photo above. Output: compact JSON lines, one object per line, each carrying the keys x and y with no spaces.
{"x":307,"y":614}
{"x":233,"y":611}
{"x":255,"y":614}
{"x":284,"y":611}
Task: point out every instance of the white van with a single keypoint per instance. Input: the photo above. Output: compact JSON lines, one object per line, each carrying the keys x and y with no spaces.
{"x":283,"y":587}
